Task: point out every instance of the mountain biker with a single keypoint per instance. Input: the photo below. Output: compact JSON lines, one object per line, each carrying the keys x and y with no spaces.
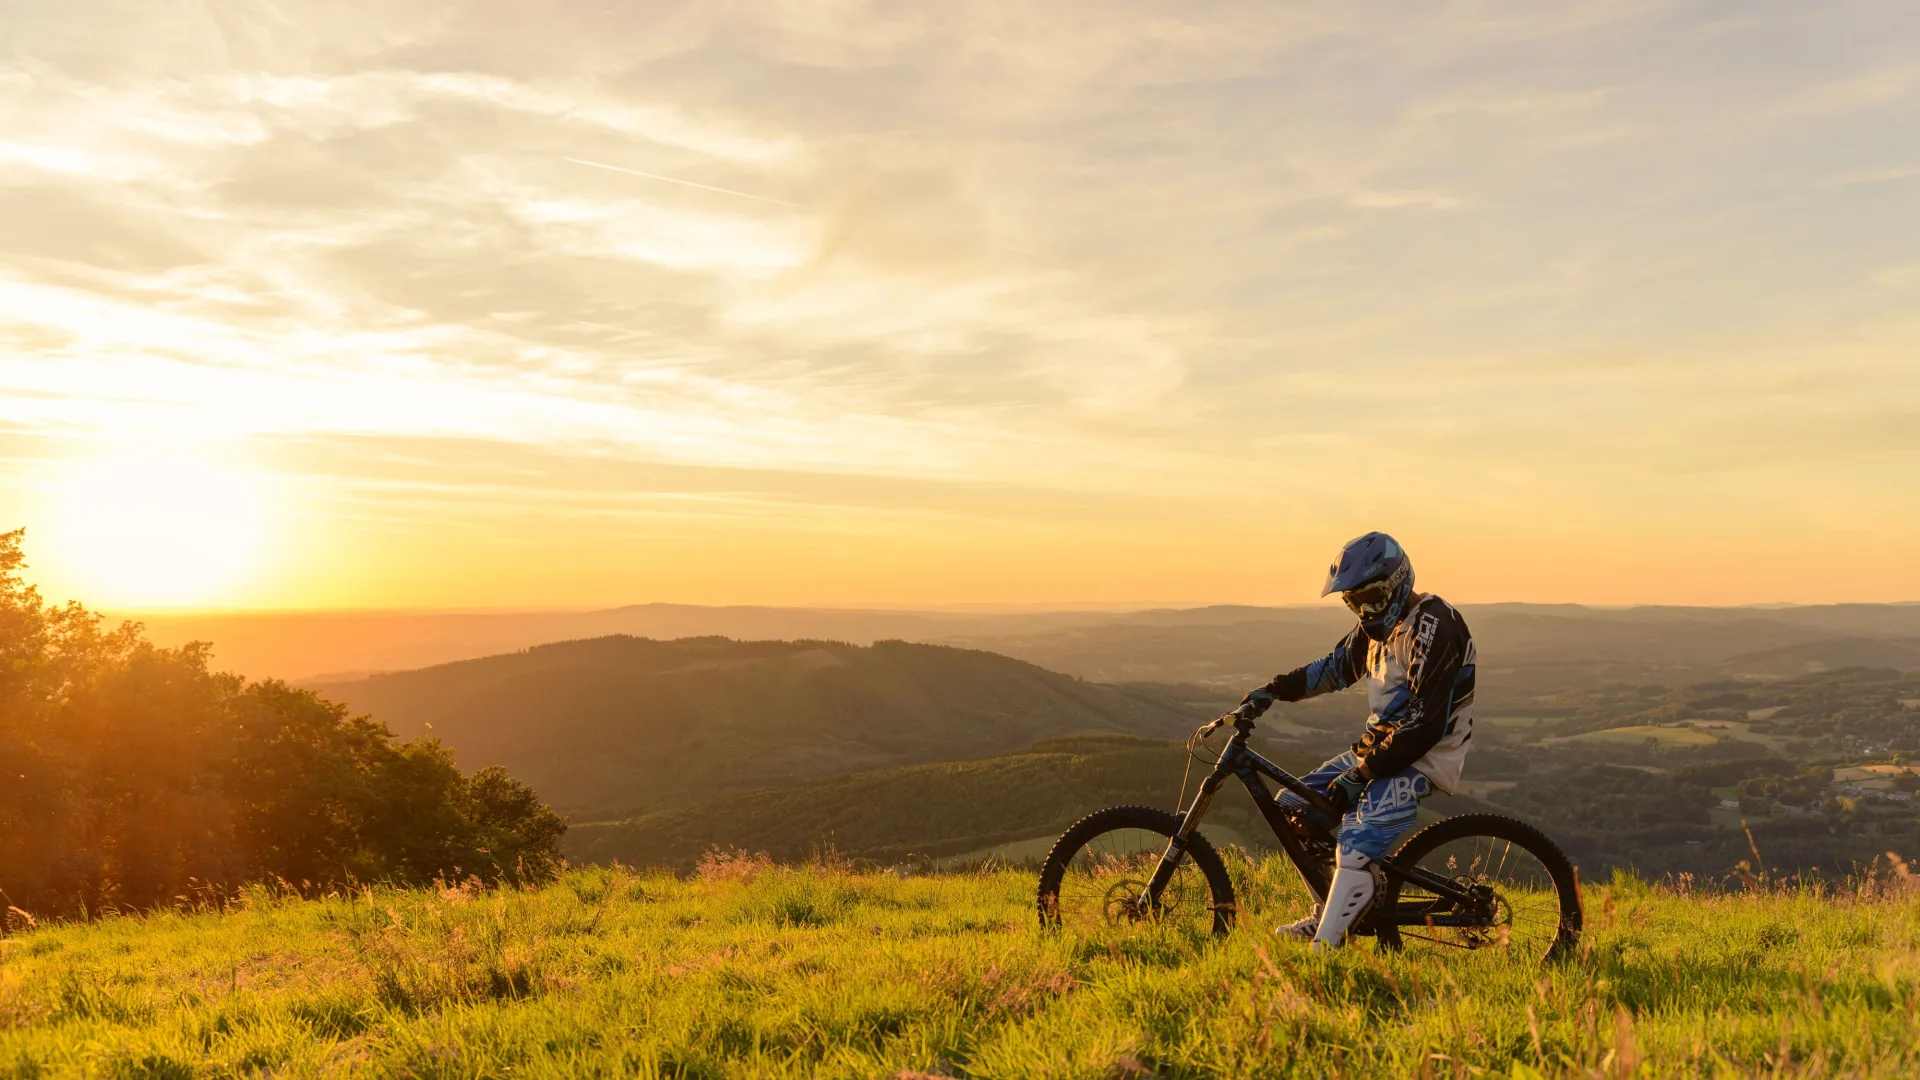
{"x":1415,"y":655}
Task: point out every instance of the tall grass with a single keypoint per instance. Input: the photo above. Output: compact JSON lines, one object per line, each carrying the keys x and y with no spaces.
{"x":750,"y":969}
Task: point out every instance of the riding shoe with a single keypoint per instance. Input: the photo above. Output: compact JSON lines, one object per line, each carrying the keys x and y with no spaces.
{"x":1304,"y":929}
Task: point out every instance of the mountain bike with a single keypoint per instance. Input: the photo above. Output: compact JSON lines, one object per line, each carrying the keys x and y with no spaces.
{"x":1473,"y":881}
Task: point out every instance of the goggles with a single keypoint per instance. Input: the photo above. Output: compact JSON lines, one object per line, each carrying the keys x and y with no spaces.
{"x":1372,"y":598}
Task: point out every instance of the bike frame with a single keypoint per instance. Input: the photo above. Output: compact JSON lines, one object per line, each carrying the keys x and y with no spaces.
{"x":1466,"y":907}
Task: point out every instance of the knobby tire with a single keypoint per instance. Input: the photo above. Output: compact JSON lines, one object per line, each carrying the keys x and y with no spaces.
{"x":1497,"y":828}
{"x":1085,"y":832}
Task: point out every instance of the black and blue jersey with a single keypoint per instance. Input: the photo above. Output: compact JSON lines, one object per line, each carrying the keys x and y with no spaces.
{"x":1419,"y":687}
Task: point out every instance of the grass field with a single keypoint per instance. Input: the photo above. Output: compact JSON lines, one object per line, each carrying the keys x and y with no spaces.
{"x":753,"y":970}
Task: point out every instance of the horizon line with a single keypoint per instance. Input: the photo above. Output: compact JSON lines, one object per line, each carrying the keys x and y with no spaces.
{"x":1059,"y":608}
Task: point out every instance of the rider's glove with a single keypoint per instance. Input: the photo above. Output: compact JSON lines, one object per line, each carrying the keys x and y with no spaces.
{"x":1344,"y":792}
{"x":1256,"y":702}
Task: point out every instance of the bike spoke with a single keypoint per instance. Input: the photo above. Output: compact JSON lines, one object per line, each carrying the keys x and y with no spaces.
{"x":1105,"y":884}
{"x":1524,"y":912}
{"x":1435,"y":941}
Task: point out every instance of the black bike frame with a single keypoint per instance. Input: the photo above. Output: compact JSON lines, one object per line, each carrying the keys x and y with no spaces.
{"x":1240,"y":760}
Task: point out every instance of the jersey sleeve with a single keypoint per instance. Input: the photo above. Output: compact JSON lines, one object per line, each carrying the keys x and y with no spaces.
{"x":1441,"y":646}
{"x":1337,"y":670}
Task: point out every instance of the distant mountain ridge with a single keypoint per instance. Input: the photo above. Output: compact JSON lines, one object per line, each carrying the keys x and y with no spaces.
{"x":1525,"y":649}
{"x":1217,"y":645}
{"x":624,"y":722}
{"x":329,"y":646}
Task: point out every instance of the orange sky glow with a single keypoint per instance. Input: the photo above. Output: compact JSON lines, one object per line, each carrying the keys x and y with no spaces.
{"x":357,"y":305}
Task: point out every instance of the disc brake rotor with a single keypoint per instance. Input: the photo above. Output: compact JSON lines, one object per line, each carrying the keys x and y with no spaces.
{"x":1125,"y":902}
{"x":1499,"y":916}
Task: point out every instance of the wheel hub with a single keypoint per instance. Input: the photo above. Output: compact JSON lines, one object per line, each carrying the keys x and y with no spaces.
{"x":1491,"y":914}
{"x":1126,"y":902}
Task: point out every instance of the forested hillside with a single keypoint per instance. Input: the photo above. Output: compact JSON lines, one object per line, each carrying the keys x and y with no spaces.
{"x":649,"y":743}
{"x":1815,"y":772}
{"x":914,"y":813}
{"x":618,"y":723}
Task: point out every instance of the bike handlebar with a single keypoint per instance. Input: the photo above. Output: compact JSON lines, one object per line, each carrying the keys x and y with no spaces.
{"x":1244,"y":724}
{"x":1236,"y":718}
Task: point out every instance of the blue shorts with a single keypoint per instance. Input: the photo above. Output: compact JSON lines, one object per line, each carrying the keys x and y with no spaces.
{"x":1387,"y":808}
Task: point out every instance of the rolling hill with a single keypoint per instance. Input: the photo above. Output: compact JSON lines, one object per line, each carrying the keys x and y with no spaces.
{"x":1828,"y":654}
{"x":622,"y":723}
{"x":938,"y":809}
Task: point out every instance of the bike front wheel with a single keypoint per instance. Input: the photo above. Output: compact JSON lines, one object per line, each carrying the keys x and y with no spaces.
{"x":1527,"y":897}
{"x":1098,"y":871}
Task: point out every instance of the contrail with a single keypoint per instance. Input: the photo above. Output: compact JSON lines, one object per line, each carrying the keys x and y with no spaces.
{"x":683,"y":183}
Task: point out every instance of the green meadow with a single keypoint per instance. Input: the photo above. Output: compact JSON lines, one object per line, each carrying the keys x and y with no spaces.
{"x":749,"y":969}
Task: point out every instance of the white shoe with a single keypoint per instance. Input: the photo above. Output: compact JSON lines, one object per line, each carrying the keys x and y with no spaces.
{"x":1303,"y":929}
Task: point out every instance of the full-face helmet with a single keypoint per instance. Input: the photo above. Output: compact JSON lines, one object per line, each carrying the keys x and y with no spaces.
{"x":1375,"y":578}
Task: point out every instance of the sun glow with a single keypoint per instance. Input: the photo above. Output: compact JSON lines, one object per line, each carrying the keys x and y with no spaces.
{"x":165,"y":529}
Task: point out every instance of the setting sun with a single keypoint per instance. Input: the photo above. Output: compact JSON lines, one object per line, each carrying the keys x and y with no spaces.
{"x":165,"y":529}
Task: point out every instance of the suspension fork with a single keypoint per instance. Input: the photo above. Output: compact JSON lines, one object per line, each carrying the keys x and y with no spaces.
{"x":1190,"y":820}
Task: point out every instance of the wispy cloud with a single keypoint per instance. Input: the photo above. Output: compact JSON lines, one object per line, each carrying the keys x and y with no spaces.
{"x":1126,"y":254}
{"x":1874,"y":176}
{"x":1395,"y":200}
{"x":682,"y":183}
{"x":1859,"y":90}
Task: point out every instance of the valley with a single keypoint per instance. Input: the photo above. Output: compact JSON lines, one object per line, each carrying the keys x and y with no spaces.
{"x":1641,"y":738}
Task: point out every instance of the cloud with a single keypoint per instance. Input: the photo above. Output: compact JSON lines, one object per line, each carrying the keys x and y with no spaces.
{"x":1395,"y":200}
{"x":1079,"y":247}
{"x":1852,"y":92}
{"x":1874,"y":176}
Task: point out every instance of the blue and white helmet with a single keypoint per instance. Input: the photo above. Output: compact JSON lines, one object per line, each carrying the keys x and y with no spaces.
{"x":1375,"y":578}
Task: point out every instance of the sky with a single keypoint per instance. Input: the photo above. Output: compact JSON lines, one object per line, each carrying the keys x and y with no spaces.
{"x":561,"y":304}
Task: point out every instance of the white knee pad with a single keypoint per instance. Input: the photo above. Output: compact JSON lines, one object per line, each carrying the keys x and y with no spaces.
{"x":1347,"y":899}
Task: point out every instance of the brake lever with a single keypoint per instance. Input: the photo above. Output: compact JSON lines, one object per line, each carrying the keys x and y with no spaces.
{"x":1210,"y":728}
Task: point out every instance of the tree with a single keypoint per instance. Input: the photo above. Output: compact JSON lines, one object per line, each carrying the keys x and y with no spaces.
{"x":131,"y":774}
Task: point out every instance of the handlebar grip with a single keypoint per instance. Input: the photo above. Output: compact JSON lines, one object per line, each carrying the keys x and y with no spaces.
{"x":1241,"y":723}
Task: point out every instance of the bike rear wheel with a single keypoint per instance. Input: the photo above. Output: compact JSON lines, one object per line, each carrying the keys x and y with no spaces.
{"x":1531,"y":903}
{"x":1097,"y":873}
